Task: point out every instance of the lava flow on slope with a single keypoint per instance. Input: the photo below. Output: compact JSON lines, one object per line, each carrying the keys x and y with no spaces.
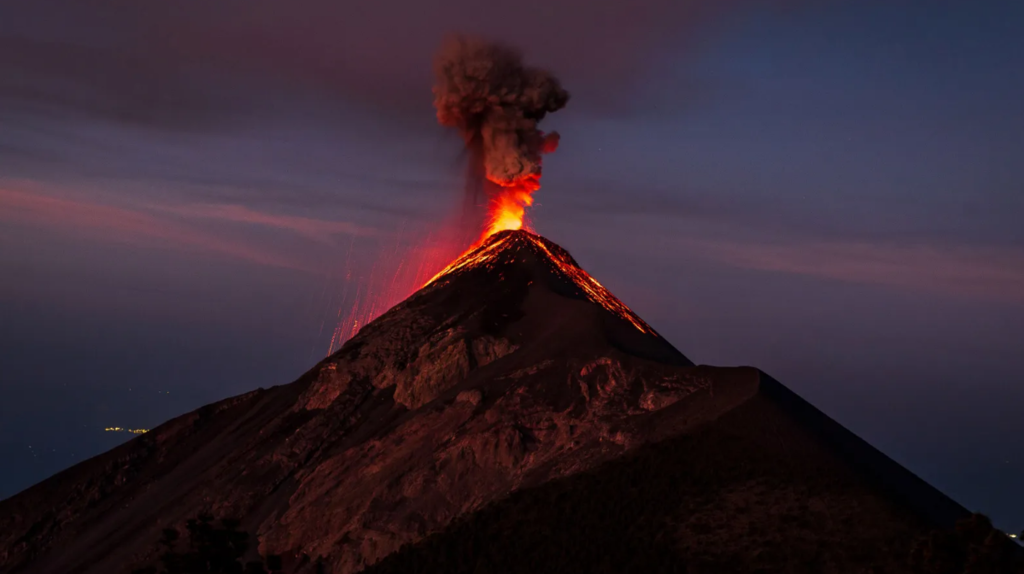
{"x":496,"y":102}
{"x":512,"y":370}
{"x":497,"y":248}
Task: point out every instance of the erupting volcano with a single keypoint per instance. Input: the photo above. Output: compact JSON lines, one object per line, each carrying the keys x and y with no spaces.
{"x":496,"y":102}
{"x":512,"y":416}
{"x":510,"y":393}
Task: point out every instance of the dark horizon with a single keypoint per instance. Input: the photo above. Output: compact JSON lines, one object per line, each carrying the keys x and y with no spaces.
{"x":831,"y":193}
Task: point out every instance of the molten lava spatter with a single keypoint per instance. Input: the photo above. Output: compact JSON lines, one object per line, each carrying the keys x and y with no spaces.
{"x":504,"y":246}
{"x":397,"y":270}
{"x":507,"y":209}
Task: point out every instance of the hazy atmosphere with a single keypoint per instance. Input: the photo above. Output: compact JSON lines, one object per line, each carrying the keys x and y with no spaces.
{"x":829,"y":191}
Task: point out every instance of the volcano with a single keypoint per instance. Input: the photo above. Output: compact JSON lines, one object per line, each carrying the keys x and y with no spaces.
{"x":512,"y":393}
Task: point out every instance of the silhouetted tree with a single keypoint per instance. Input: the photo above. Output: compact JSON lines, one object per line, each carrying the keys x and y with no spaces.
{"x":211,"y":550}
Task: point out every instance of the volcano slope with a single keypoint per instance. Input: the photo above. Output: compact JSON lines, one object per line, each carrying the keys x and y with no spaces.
{"x":511,"y":371}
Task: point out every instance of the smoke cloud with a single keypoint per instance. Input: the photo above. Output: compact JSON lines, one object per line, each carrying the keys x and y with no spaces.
{"x":484,"y":90}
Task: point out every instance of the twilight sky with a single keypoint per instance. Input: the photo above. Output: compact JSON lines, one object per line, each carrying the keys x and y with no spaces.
{"x":831,"y":191}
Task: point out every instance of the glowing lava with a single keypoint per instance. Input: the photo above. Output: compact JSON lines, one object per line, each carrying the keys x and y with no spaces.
{"x":503,"y":247}
{"x":507,"y":209}
{"x":397,"y":270}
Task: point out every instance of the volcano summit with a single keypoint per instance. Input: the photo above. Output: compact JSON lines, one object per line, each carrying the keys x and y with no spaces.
{"x":510,"y":378}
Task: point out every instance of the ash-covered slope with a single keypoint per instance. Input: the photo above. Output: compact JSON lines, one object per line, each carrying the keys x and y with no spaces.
{"x":769,"y":486}
{"x":511,"y":369}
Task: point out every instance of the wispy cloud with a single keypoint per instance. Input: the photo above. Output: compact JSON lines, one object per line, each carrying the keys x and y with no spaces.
{"x":104,"y":67}
{"x":989,"y":273}
{"x":918,"y":259}
{"x":166,"y":226}
{"x":321,"y":230}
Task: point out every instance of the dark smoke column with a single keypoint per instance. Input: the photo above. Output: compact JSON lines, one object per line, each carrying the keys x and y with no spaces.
{"x":496,"y":102}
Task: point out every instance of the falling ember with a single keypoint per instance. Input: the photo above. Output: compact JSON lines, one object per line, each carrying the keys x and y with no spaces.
{"x":396,"y":270}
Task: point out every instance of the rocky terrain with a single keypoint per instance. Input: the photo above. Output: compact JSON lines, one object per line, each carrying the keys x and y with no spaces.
{"x":511,"y":372}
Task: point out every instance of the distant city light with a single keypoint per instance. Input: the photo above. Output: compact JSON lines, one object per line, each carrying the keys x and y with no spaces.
{"x":120,"y":429}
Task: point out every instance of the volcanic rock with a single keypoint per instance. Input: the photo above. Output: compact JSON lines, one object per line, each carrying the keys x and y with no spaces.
{"x":511,"y":372}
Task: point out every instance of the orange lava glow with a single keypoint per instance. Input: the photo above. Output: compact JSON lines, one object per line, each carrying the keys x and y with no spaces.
{"x":491,"y":250}
{"x":507,"y":209}
{"x":397,"y":270}
{"x":396,"y":273}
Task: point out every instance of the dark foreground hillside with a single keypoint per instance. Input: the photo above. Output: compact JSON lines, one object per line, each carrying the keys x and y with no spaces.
{"x":513,"y":373}
{"x":753,"y":491}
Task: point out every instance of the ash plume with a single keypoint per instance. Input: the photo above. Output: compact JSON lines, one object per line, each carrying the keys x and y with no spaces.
{"x":485,"y":91}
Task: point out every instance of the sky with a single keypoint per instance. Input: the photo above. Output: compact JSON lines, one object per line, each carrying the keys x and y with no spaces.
{"x":192,"y":194}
